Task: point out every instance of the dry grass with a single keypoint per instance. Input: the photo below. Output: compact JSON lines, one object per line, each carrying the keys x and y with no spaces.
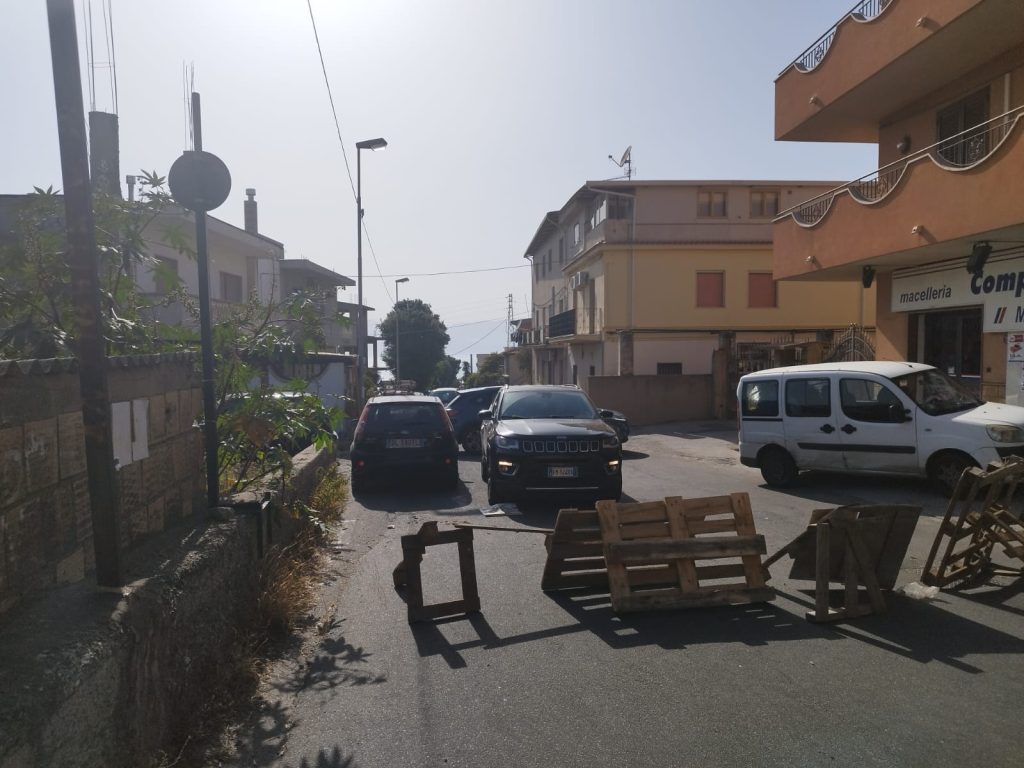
{"x":286,"y":582}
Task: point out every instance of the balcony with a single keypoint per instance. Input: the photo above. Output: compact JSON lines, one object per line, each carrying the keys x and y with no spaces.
{"x":884,"y":55}
{"x":589,"y":321}
{"x":931,"y":205}
{"x":562,"y":324}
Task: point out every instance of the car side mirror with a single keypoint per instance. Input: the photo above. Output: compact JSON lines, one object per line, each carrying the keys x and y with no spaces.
{"x":486,"y":415}
{"x":606,"y":414}
{"x":898,"y":414}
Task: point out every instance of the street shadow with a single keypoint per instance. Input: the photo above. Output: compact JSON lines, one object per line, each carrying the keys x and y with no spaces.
{"x":629,"y":455}
{"x":991,"y":594}
{"x":693,"y":430}
{"x":413,"y":495}
{"x":924,"y":631}
{"x":268,"y":735}
{"x":591,"y":611}
{"x":334,"y":758}
{"x":833,"y":489}
{"x":333,"y":664}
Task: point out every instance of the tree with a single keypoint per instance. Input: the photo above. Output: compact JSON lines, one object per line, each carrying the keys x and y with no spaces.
{"x":446,"y":372}
{"x":422,"y":343}
{"x":490,"y":371}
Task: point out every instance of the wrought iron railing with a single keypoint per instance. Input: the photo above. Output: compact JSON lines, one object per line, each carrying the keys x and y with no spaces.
{"x":866,"y":10}
{"x":966,"y":149}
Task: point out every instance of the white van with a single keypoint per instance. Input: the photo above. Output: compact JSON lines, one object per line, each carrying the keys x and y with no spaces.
{"x":874,"y":417}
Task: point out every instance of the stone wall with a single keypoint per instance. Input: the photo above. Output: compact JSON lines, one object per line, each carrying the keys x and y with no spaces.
{"x":45,"y":519}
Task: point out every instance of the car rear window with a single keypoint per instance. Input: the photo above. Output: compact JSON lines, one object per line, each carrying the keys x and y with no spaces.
{"x":384,"y":417}
{"x":760,"y":398}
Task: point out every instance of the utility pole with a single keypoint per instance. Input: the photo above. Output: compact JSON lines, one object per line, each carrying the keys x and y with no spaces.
{"x":104,"y":499}
{"x":508,"y":337}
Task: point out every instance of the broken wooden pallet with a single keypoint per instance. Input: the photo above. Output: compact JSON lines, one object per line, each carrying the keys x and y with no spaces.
{"x":575,"y":552}
{"x":856,"y":545}
{"x":653,"y":553}
{"x":977,"y":518}
{"x":407,"y":575}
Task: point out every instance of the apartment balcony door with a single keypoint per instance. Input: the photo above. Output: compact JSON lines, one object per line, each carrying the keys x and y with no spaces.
{"x":951,"y":341}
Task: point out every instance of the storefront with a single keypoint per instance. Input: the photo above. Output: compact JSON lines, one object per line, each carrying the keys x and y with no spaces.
{"x":960,"y":321}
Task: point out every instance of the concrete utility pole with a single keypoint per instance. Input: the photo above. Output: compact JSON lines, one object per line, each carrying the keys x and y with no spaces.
{"x":104,"y":498}
{"x":508,"y":337}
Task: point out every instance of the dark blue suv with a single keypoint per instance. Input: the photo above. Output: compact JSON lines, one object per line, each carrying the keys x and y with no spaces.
{"x":464,"y":411}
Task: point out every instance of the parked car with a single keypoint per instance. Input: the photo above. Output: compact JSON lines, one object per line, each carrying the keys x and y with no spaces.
{"x":464,"y":412}
{"x":444,"y":394}
{"x":618,"y":422}
{"x":402,"y":434}
{"x":871,"y":417}
{"x":548,"y":438}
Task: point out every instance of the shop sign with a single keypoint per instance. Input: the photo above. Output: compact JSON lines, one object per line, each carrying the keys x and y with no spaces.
{"x":999,"y":289}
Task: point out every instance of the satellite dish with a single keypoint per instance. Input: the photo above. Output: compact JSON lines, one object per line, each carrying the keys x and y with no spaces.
{"x":625,"y":161}
{"x":625,"y":156}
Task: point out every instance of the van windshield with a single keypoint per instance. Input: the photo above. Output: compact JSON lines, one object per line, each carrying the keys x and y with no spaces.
{"x":936,"y":393}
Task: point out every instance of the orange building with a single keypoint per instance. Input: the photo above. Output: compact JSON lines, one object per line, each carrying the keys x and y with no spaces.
{"x":939,"y":225}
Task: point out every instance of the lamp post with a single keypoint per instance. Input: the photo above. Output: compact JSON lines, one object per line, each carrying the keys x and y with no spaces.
{"x":372,"y":144}
{"x":398,"y":377}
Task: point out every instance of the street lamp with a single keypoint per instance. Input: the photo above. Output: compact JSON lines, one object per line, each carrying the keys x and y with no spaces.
{"x":398,"y":378}
{"x":372,"y":144}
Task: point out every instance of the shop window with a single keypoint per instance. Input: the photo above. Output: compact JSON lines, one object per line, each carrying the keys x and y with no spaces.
{"x":761,"y":290}
{"x":710,"y":289}
{"x":670,"y":369}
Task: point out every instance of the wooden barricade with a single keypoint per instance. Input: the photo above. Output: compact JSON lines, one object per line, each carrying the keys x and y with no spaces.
{"x":407,"y":573}
{"x":856,"y":545}
{"x":575,"y":552}
{"x":652,"y":551}
{"x":977,"y":518}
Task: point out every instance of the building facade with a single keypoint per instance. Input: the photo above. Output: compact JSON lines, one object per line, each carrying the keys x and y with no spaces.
{"x":652,"y":277}
{"x":938,"y":227}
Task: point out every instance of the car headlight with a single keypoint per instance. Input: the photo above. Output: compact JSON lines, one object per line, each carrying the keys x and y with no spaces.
{"x":508,"y":443}
{"x":1004,"y":433}
{"x":611,"y":441}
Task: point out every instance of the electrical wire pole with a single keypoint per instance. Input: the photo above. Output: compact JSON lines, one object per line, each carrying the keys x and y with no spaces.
{"x":508,"y":337}
{"x":104,"y":497}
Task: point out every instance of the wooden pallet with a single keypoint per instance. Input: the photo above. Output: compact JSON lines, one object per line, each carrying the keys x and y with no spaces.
{"x":856,"y":545}
{"x":407,"y":576}
{"x":652,"y":551}
{"x":978,"y":518}
{"x":575,"y":552}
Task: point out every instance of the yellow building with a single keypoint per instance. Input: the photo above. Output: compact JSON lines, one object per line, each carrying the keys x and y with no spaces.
{"x":648,"y":278}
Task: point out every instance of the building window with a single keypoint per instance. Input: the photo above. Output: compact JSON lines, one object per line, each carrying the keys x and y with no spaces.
{"x":561,"y":251}
{"x":711,"y":289}
{"x":576,"y":234}
{"x":670,"y":369}
{"x":965,"y":146}
{"x":764,"y":203}
{"x":711,"y":203}
{"x":231,"y":287}
{"x":165,"y":275}
{"x":762,"y":290}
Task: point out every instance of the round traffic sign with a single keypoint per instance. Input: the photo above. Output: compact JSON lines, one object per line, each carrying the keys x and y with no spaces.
{"x":199,"y":181}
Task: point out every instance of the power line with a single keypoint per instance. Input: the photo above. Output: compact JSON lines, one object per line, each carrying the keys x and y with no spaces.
{"x":457,"y":271}
{"x":500,"y":323}
{"x":348,"y":168}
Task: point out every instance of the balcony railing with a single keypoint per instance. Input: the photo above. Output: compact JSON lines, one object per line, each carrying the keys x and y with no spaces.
{"x":966,"y":149}
{"x":866,"y":10}
{"x":562,"y":324}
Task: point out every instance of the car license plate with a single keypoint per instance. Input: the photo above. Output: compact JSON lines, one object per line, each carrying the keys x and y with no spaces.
{"x":561,"y":471}
{"x":406,"y":442}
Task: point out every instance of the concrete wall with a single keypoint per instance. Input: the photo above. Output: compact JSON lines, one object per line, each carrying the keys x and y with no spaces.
{"x":45,"y":517}
{"x":653,"y":399}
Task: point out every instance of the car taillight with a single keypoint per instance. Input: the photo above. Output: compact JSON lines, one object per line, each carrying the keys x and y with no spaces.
{"x":361,"y":425}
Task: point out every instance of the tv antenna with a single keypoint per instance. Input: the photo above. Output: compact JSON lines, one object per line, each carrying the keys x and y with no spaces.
{"x":626,"y":161}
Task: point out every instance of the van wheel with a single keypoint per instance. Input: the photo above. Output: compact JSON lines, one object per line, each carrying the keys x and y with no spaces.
{"x":944,"y":470}
{"x":777,"y":467}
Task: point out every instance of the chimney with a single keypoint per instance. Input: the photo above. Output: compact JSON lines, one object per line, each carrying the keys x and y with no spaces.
{"x":103,"y":153}
{"x":250,"y":211}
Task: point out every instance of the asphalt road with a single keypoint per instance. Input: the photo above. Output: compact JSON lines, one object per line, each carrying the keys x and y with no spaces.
{"x":558,"y":679}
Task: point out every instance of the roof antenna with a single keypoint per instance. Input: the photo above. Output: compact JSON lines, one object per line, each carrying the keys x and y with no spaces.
{"x":626,"y":161}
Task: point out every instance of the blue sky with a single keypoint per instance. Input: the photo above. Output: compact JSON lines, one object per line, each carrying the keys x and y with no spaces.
{"x":495,"y":111}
